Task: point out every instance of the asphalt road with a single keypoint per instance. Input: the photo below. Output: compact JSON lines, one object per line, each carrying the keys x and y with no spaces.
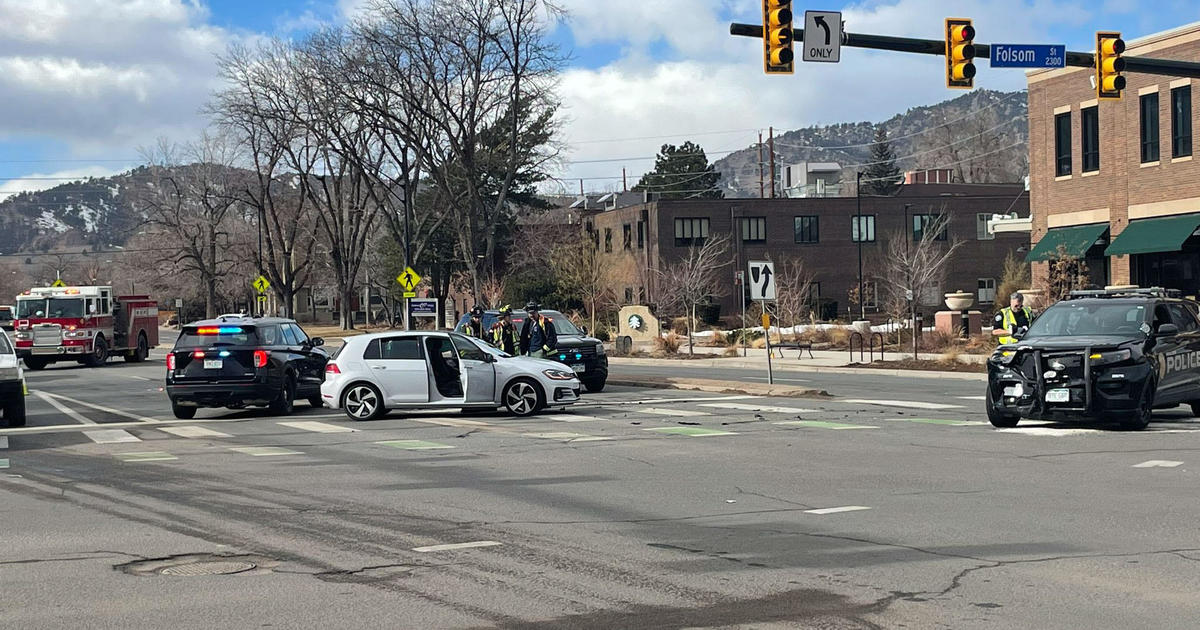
{"x":892,"y":505}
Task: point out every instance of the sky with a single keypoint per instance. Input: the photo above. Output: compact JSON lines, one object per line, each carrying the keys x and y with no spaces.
{"x":89,"y":84}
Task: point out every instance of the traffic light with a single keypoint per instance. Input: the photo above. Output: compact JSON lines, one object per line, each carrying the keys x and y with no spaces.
{"x":777,"y":36}
{"x":1109,"y":65}
{"x":960,"y":53}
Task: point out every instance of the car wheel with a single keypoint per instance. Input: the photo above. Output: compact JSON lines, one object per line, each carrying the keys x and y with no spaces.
{"x":363,"y":402}
{"x":596,"y":386}
{"x":522,"y":397}
{"x":285,"y":402}
{"x":315,"y":402}
{"x":99,"y":355}
{"x":1140,"y":419}
{"x":1196,"y":409}
{"x":142,"y":351}
{"x":998,"y":419}
{"x":183,"y":413}
{"x":14,"y":412}
{"x":36,"y":363}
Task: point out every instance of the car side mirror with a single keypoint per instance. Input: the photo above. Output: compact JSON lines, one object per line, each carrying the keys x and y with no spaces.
{"x":316,"y":342}
{"x":584,"y":329}
{"x":489,"y":358}
{"x":1167,"y":330}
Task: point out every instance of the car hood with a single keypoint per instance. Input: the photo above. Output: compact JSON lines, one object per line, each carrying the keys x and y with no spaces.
{"x":534,"y":365}
{"x":1078,"y":341}
{"x":576,"y":341}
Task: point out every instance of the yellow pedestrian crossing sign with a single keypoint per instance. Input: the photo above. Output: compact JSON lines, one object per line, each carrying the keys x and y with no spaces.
{"x":58,"y":283}
{"x":409,"y":280}
{"x":261,"y":284}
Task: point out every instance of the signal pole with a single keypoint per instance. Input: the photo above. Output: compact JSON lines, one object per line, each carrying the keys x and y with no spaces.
{"x":771,"y":150}
{"x":761,"y":190}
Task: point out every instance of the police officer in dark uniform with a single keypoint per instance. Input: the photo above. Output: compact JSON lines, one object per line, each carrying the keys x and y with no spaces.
{"x":474,"y":326}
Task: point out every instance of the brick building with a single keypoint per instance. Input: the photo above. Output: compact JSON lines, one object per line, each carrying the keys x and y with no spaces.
{"x":1114,"y":182}
{"x":821,"y":232}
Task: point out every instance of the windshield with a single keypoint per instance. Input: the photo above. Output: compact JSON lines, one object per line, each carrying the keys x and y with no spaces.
{"x":490,"y":349}
{"x":64,"y":307}
{"x":5,"y":314}
{"x":5,"y":346}
{"x":1067,"y":319}
{"x":30,"y":308}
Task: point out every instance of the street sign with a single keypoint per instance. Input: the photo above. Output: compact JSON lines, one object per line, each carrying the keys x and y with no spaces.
{"x":766,"y":320}
{"x":58,"y":283}
{"x":424,"y":308}
{"x":262,"y":298}
{"x":409,"y":280}
{"x":823,"y":36}
{"x":762,"y":280}
{"x":261,"y":284}
{"x":178,"y":302}
{"x":1029,"y":56}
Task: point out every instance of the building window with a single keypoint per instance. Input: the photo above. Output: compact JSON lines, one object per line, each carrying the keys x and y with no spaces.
{"x":921,"y":222}
{"x":627,"y":236}
{"x":987,"y":290}
{"x":1062,"y":144}
{"x":690,"y":231}
{"x":1149,"y":109}
{"x":1181,"y":121}
{"x":981,"y":227}
{"x":641,"y":234}
{"x":808,"y":229}
{"x":754,"y":229}
{"x":608,"y":240}
{"x":1089,"y":119}
{"x":862,"y":228}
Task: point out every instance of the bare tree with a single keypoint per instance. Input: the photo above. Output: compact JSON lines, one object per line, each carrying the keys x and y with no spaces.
{"x":1067,"y":273}
{"x":793,"y":282}
{"x":910,"y":267}
{"x":694,"y":280}
{"x":586,"y":273}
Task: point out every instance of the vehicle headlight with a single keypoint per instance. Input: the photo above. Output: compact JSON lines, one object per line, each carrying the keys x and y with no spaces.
{"x":24,"y":335}
{"x":1115,"y":356}
{"x":559,"y":375}
{"x":1004,"y":357}
{"x":74,"y":334}
{"x":599,"y":349}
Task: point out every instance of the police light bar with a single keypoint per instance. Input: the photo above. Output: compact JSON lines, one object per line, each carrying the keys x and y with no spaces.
{"x":223,"y":330}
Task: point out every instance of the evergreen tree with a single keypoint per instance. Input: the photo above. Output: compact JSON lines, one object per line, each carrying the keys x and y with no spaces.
{"x":682,"y":172}
{"x":882,"y":178}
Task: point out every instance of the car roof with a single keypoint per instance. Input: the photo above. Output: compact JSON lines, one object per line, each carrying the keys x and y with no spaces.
{"x":240,"y":321}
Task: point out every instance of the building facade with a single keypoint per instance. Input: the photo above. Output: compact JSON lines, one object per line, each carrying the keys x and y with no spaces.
{"x":823,"y":233}
{"x":1114,"y":182}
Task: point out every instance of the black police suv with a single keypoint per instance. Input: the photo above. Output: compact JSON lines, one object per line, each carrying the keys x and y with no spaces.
{"x":585,"y":355}
{"x":237,"y":361}
{"x":1112,"y":355}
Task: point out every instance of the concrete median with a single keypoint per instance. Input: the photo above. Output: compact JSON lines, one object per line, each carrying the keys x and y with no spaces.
{"x":720,"y":386}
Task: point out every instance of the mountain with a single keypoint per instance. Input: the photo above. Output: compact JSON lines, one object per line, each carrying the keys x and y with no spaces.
{"x":982,"y":135}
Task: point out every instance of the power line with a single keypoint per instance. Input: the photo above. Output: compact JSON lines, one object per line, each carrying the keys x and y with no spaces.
{"x":678,"y":135}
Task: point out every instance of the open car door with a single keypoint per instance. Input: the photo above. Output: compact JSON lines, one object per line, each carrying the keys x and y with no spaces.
{"x":477,"y":369}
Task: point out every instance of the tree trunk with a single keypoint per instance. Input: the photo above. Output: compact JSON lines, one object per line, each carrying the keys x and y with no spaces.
{"x":692,"y":332}
{"x":593,"y":312}
{"x":210,"y":298}
{"x":912,"y":312}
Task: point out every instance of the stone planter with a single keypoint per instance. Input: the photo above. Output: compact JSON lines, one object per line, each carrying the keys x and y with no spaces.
{"x":959,"y":301}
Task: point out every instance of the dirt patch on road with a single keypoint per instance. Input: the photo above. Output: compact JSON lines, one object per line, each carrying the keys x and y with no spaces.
{"x":924,"y":365}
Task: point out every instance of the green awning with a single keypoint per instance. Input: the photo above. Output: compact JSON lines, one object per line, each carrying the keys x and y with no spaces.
{"x":1144,"y":236}
{"x":1075,"y":240}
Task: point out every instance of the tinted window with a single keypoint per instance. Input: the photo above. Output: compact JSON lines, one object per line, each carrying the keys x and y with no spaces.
{"x":468,"y":350}
{"x":270,"y":335}
{"x":64,"y":307}
{"x":400,"y":348}
{"x":372,"y":351}
{"x":1075,"y":318}
{"x":204,"y":336}
{"x":301,"y":337}
{"x":1183,"y":318}
{"x":289,"y":337}
{"x":6,"y":315}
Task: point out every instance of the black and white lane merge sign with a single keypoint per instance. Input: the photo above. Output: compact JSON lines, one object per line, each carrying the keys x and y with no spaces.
{"x":822,"y":36}
{"x":762,"y":280}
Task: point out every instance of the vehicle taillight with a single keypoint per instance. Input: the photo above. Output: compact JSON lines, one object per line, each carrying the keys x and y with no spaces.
{"x":199,"y":354}
{"x":171,"y":362}
{"x":332,"y":368}
{"x":260,"y":358}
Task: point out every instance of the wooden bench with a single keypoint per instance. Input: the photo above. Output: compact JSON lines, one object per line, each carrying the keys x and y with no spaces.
{"x":794,"y":345}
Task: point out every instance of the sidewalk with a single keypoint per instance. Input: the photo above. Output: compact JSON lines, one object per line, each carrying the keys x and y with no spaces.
{"x":820,"y":358}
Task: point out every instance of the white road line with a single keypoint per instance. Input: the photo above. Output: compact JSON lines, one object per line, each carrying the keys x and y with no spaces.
{"x":140,"y":378}
{"x":1049,"y":432}
{"x":1158,"y":463}
{"x":836,"y":510}
{"x":317,"y":427}
{"x":753,"y":407}
{"x":115,"y":412}
{"x":911,"y":404}
{"x":452,"y":547}
{"x":3,"y":463}
{"x":659,"y":401}
{"x":660,"y":411}
{"x":49,"y":398}
{"x":972,"y":397}
{"x":264,"y":451}
{"x":3,"y":441}
{"x":111,"y":436}
{"x":566,"y":417}
{"x":194,"y":432}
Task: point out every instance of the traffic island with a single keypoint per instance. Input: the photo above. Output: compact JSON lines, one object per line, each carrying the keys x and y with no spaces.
{"x":720,"y":387}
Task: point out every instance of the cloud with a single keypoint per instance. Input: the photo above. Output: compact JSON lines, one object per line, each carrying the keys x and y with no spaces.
{"x":43,"y":181}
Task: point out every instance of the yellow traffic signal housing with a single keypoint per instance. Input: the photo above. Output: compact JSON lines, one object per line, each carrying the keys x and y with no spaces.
{"x":960,"y":53}
{"x":777,"y":37}
{"x":1109,"y":65}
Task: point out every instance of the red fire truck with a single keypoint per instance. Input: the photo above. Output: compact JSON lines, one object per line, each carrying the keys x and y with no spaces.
{"x":84,"y":324}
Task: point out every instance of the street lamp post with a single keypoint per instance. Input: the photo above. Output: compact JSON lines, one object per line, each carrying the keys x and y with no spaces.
{"x":912,"y":301}
{"x":858,"y":224}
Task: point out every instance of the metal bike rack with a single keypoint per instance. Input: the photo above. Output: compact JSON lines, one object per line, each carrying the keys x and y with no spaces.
{"x":864,"y":350}
{"x":861,"y":346}
{"x":875,"y":335}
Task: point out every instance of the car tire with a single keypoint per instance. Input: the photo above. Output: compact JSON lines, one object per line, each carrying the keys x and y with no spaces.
{"x":141,"y":352}
{"x":998,"y":419}
{"x":285,"y":403}
{"x":99,"y":355}
{"x":1195,"y":408}
{"x":183,"y":413}
{"x":362,"y":401}
{"x":36,"y":363}
{"x":316,"y":402}
{"x":595,"y":387}
{"x":14,"y":412}
{"x":523,"y":397}
{"x":1140,"y":419}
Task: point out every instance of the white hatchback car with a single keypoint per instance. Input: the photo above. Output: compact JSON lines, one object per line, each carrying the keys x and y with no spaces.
{"x":420,"y":370}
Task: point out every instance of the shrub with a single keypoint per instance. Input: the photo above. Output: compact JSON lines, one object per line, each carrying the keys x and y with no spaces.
{"x":718,"y":339}
{"x":667,"y":344}
{"x":680,"y":325}
{"x":742,"y":335}
{"x":731,"y":352}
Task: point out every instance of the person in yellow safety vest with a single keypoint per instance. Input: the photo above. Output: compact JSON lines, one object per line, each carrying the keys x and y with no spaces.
{"x":505,"y":335}
{"x":474,"y":326}
{"x":1012,"y":320}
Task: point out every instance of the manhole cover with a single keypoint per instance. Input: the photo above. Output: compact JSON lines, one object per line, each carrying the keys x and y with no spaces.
{"x":208,"y":568}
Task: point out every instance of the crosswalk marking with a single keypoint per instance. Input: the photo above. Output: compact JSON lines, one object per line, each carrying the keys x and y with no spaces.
{"x":1049,"y":431}
{"x":972,"y":397}
{"x":662,"y":401}
{"x":912,"y":404}
{"x":566,"y":417}
{"x":414,"y":445}
{"x":264,"y":451}
{"x":74,"y":415}
{"x":817,"y":424}
{"x":690,"y":431}
{"x":317,"y":427}
{"x":454,"y":546}
{"x":1158,"y":463}
{"x":837,"y":510}
{"x":115,"y":412}
{"x":661,"y":411}
{"x":111,"y":436}
{"x":762,"y":408}
{"x":146,"y":456}
{"x":194,"y":432}
{"x":557,"y":436}
{"x":3,"y":441}
{"x":3,"y":463}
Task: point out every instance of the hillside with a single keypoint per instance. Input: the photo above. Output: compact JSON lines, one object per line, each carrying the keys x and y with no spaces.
{"x":983,"y":135}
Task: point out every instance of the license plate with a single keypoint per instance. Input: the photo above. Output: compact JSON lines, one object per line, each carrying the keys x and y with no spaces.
{"x":579,"y":369}
{"x":213,"y":364}
{"x":1058,"y":396}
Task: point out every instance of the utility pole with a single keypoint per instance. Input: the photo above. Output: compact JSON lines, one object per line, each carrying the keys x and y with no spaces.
{"x":862,"y":234}
{"x":761,"y":190}
{"x":624,"y":182}
{"x":912,"y":302}
{"x":771,"y":150}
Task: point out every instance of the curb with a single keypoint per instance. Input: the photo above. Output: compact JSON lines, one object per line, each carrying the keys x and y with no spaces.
{"x":726,"y":363}
{"x":721,"y":387}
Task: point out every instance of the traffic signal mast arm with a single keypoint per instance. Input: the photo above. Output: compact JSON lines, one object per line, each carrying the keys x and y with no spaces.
{"x":1144,"y":65}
